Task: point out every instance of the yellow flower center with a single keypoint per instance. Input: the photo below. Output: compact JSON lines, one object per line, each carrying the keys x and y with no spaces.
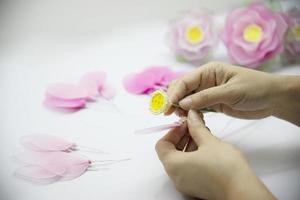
{"x":297,"y":32}
{"x":159,"y":102}
{"x":194,"y":34}
{"x":253,"y":33}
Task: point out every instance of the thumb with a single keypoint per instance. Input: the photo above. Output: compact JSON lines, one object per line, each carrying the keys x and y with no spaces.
{"x":206,"y":98}
{"x":197,"y":128}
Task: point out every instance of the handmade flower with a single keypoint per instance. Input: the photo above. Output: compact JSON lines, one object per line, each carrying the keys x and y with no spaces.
{"x":75,"y":96}
{"x":293,"y":37}
{"x":192,"y":38}
{"x":65,"y":95}
{"x":50,"y":143}
{"x":48,"y":167}
{"x":47,"y":159}
{"x":150,"y":79}
{"x":96,"y":85}
{"x":254,"y":35}
{"x":159,"y":102}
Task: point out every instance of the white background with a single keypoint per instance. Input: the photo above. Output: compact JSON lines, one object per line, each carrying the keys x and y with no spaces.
{"x":48,"y":41}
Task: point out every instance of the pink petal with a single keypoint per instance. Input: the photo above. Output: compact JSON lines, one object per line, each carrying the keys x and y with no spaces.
{"x":172,"y":76}
{"x":36,"y":174}
{"x":158,"y":128}
{"x":139,"y":83}
{"x":74,"y":165}
{"x":41,"y":142}
{"x":45,"y":160}
{"x":66,"y":91}
{"x":158,"y":71}
{"x":64,"y":103}
{"x":108,"y":91}
{"x":93,"y":82}
{"x":66,"y":165}
{"x":75,"y":171}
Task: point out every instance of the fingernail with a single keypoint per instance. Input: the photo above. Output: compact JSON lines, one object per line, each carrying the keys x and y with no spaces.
{"x":193,"y":116}
{"x":186,"y":103}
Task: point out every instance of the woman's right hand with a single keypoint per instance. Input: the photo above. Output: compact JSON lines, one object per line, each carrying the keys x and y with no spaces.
{"x":207,"y":168}
{"x":235,"y":91}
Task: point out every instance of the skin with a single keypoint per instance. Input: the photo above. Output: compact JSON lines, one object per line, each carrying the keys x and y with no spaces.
{"x":201,"y":165}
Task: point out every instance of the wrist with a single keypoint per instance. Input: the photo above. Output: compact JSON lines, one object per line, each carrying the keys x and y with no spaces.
{"x":286,"y":98}
{"x":246,"y":185}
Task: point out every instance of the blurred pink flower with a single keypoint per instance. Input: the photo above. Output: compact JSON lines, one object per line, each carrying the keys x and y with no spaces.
{"x":293,"y":37}
{"x":150,"y":79}
{"x":254,"y":35}
{"x":192,"y":38}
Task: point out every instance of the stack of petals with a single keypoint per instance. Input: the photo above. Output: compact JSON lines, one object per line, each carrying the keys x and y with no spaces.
{"x":46,"y":143}
{"x":293,"y":38}
{"x":75,"y":96}
{"x":254,"y":34}
{"x":192,"y":38}
{"x":48,"y":167}
{"x":150,"y":79}
{"x":47,"y":159}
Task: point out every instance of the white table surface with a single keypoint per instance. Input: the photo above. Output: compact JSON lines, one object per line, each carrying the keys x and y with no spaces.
{"x":49,"y":41}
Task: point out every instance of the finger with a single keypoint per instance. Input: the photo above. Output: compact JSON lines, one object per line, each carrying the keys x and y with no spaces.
{"x":171,"y":88}
{"x":183,"y":86}
{"x":180,"y":113}
{"x":169,"y":111}
{"x":197,"y":128}
{"x":207,"y":97}
{"x":167,"y":145}
{"x":175,"y":134}
{"x":193,"y":80}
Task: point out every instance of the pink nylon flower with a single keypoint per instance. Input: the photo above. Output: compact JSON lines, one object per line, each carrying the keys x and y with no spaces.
{"x":192,"y":38}
{"x":150,"y":79}
{"x":254,"y":35}
{"x":75,"y":96}
{"x":293,"y":37}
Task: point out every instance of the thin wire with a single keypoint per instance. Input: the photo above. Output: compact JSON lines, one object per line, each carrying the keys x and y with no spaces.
{"x":157,"y":128}
{"x":106,"y":162}
{"x":108,"y":102}
{"x":110,"y":160}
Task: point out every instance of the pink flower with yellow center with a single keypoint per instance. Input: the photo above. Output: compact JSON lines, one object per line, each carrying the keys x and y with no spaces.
{"x":192,"y":38}
{"x":254,"y":35}
{"x":293,"y":38}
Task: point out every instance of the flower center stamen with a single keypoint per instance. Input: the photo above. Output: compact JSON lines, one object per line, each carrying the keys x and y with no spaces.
{"x":194,"y":34}
{"x":159,"y":102}
{"x":253,"y":33}
{"x":297,"y":32}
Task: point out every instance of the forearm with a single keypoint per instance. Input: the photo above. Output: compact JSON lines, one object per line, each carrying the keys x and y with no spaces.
{"x":287,"y":99}
{"x":246,"y":186}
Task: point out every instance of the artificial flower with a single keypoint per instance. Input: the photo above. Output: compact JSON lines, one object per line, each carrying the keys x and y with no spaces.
{"x":75,"y":96}
{"x":192,"y":38}
{"x":254,"y":34}
{"x":293,"y":37}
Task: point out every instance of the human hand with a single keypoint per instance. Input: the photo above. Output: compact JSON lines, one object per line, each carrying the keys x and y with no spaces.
{"x":211,"y":168}
{"x":235,"y":91}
